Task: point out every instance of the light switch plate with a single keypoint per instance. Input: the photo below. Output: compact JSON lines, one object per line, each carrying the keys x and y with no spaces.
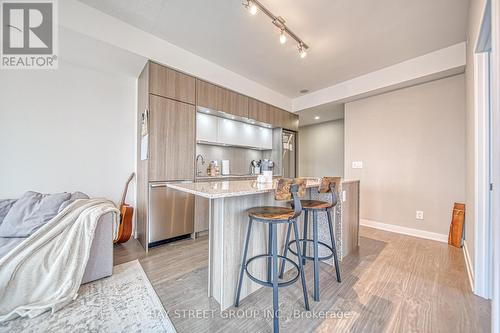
{"x":419,"y":215}
{"x":357,"y":164}
{"x":344,"y":196}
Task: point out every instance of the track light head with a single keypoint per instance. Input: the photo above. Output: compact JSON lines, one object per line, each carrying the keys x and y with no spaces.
{"x":302,"y":51}
{"x":282,"y":36}
{"x":251,"y":6}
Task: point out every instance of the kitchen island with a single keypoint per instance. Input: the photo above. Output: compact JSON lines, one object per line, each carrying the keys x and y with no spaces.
{"x":228,"y":221}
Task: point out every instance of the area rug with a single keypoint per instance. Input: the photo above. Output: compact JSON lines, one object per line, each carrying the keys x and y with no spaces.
{"x":123,"y":302}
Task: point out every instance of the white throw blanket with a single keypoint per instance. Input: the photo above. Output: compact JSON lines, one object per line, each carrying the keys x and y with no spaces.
{"x":45,"y":271}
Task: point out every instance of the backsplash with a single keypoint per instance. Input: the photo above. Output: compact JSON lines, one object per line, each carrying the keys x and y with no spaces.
{"x":239,"y":158}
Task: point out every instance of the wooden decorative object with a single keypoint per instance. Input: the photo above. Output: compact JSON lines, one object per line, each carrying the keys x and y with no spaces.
{"x":457,"y":225}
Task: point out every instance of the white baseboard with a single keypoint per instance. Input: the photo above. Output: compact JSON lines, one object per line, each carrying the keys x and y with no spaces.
{"x":405,"y":231}
{"x":468,"y":265}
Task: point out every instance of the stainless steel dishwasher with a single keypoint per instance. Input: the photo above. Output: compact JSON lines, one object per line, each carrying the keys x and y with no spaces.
{"x":171,"y":213}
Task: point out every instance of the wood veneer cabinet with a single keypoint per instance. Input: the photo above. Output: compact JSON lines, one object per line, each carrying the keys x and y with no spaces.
{"x":233,"y":103}
{"x":289,"y":120}
{"x":172,"y":132}
{"x":217,"y":98}
{"x":261,"y":111}
{"x":270,"y":114}
{"x":206,"y":94}
{"x":172,"y":84}
{"x":284,"y":119}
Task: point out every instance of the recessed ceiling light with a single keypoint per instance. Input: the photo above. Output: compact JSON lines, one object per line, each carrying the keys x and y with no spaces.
{"x":316,"y":118}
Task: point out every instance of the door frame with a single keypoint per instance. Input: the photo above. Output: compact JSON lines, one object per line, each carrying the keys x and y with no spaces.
{"x":483,"y":242}
{"x":495,"y":63}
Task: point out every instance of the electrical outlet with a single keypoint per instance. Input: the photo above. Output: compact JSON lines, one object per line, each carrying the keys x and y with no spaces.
{"x":357,"y":164}
{"x":419,"y":215}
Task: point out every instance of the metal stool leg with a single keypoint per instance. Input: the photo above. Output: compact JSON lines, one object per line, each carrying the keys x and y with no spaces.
{"x":270,"y":252}
{"x":304,"y":246}
{"x":301,"y":267}
{"x":334,"y":247}
{"x":274,"y":249}
{"x":243,"y":263}
{"x":285,"y":251}
{"x":316,"y":259}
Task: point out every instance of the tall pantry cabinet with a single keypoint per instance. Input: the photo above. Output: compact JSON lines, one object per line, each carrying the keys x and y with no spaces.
{"x":166,"y":133}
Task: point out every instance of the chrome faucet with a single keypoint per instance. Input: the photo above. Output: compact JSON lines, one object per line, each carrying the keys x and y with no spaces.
{"x":198,"y":157}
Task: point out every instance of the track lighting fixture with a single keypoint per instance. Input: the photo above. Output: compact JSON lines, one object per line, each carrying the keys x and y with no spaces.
{"x":254,"y":6}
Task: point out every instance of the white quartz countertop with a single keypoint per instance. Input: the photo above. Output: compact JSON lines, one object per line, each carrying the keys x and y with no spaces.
{"x":232,"y":188}
{"x":230,"y":176}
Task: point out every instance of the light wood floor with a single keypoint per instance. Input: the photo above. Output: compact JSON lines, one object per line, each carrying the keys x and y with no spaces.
{"x":394,"y":283}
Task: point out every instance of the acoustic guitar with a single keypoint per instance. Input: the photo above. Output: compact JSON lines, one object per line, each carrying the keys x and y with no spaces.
{"x":126,"y":214}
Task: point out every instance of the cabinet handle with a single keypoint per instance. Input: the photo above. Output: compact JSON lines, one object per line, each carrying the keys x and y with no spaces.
{"x":158,"y":185}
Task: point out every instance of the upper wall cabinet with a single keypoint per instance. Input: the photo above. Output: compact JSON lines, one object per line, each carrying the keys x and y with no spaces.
{"x":284,"y":119}
{"x":217,"y":98}
{"x":206,"y":95}
{"x":172,"y":84}
{"x":216,"y":130}
{"x":260,"y":111}
{"x":269,"y":114}
{"x":207,"y":127}
{"x":233,"y":103}
{"x":236,"y":133}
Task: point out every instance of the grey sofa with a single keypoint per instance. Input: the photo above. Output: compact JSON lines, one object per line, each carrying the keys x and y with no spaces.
{"x":100,"y":263}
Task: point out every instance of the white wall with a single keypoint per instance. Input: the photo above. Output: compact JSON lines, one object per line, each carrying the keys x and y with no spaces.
{"x":412,"y":144}
{"x":66,"y":130}
{"x":321,"y":149}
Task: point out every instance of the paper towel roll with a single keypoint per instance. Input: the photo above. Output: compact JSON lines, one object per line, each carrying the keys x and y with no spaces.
{"x":225,"y":167}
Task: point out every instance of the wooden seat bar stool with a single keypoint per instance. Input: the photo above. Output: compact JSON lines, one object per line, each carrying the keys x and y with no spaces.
{"x":328,"y":185}
{"x":287,"y":189}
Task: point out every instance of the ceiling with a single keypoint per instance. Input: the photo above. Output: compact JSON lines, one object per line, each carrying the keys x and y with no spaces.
{"x":75,"y":48}
{"x":321,"y":114}
{"x":347,"y":38}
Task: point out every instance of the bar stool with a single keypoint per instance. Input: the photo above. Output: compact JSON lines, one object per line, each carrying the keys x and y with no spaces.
{"x":328,"y":185}
{"x":287,"y":189}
